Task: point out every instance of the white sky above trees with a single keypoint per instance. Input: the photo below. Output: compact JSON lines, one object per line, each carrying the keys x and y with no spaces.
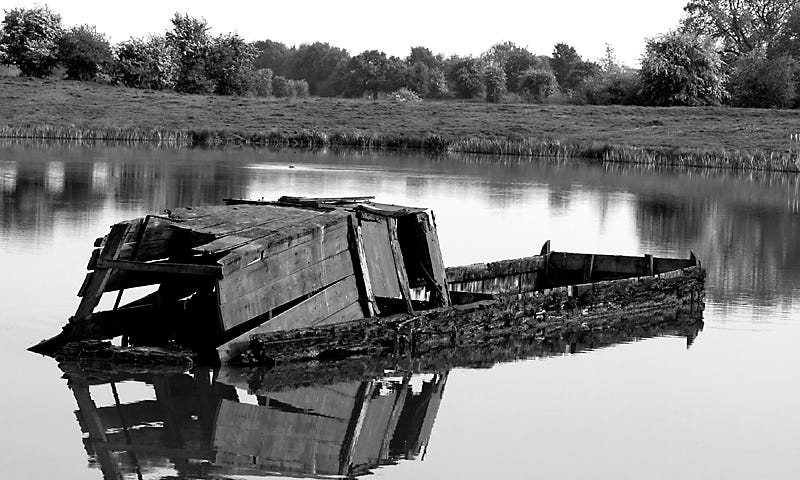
{"x":463,"y":27}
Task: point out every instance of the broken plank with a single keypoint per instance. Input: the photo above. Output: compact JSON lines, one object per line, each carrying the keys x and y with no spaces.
{"x":356,"y":242}
{"x":435,"y":257}
{"x":399,"y":264}
{"x":480,"y":271}
{"x":94,"y":290}
{"x":305,"y":314}
{"x":286,"y":289}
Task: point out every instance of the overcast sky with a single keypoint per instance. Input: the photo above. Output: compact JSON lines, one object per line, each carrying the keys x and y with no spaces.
{"x":465,"y":27}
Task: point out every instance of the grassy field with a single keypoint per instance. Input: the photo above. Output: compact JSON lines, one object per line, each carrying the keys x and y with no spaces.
{"x":718,"y":136}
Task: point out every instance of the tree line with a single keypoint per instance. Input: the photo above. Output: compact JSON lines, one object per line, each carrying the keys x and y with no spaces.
{"x":736,"y":52}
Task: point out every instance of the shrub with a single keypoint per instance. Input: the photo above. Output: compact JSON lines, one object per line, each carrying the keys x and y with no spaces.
{"x":299,"y":88}
{"x":758,"y":81}
{"x":404,"y":95}
{"x":536,"y":85}
{"x":609,"y":88}
{"x":467,"y":77}
{"x":280,"y":86}
{"x":494,"y":78}
{"x":261,"y":83}
{"x":144,"y":64}
{"x":681,"y":69}
{"x":29,"y":40}
{"x":84,"y":53}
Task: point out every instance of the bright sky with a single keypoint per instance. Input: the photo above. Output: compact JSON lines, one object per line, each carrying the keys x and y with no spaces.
{"x":452,"y":27}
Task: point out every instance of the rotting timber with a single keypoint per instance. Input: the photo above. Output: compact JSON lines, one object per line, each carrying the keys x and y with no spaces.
{"x":318,"y":278}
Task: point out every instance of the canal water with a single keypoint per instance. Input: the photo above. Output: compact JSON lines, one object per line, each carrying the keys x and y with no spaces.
{"x":711,"y":404}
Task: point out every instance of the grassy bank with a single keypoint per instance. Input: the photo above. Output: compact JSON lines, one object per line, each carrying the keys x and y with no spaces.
{"x":718,"y":137}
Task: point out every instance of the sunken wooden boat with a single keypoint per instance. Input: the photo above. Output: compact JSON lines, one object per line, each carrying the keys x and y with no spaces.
{"x":302,"y":279}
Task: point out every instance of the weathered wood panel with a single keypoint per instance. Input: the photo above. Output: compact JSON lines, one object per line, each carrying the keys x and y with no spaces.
{"x":480,"y":271}
{"x":277,"y":241}
{"x":348,"y":313}
{"x":380,"y":259}
{"x":283,"y":290}
{"x":322,"y":243}
{"x":367,"y":448}
{"x":305,"y":314}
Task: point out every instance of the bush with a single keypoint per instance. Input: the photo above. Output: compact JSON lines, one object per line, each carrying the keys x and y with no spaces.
{"x":284,"y":87}
{"x":494,"y":78}
{"x":681,"y":69}
{"x":609,"y":88}
{"x":758,"y":81}
{"x":536,"y":85}
{"x":144,"y":64}
{"x":467,"y":77}
{"x":29,"y":40}
{"x":404,"y":95}
{"x":84,"y":53}
{"x":261,"y":83}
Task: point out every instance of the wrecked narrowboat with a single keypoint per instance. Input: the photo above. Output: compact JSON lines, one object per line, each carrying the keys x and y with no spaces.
{"x":299,"y":278}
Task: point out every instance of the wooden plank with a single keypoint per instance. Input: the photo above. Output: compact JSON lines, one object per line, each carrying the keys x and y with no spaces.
{"x":97,"y":283}
{"x":277,"y":241}
{"x":286,"y":289}
{"x":356,"y":242}
{"x":347,"y":314}
{"x":308,"y":313}
{"x":162,"y":267}
{"x":323,"y":243}
{"x":428,"y":228}
{"x":662,"y":265}
{"x":379,"y":257}
{"x":587,"y":269}
{"x":480,"y":271}
{"x":399,"y":264}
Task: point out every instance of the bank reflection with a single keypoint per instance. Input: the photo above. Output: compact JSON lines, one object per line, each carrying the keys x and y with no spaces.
{"x":340,"y":419}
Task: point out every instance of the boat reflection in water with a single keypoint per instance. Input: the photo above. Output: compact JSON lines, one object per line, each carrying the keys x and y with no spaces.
{"x":339,"y":419}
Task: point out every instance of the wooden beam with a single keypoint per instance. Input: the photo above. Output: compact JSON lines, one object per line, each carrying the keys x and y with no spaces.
{"x":434,"y":255}
{"x":162,"y":267}
{"x":356,"y":241}
{"x":587,"y":269}
{"x":402,"y":276}
{"x":96,"y":285}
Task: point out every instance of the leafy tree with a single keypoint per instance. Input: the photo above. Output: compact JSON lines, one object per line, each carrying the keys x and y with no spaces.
{"x":316,"y":63}
{"x":759,"y":81}
{"x":145,"y":64}
{"x":424,"y":80}
{"x":191,"y":43}
{"x":569,"y":68}
{"x":466,"y":74}
{"x":681,"y":69}
{"x":514,"y":60}
{"x":230,"y":65}
{"x":787,"y":44}
{"x":494,"y":77}
{"x":29,"y":40}
{"x":425,"y":56}
{"x":84,"y":52}
{"x":286,"y":87}
{"x":272,"y":55}
{"x":371,"y":72}
{"x":537,"y":84}
{"x":742,"y":25}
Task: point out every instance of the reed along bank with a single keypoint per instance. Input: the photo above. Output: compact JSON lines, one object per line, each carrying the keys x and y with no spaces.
{"x":753,"y":139}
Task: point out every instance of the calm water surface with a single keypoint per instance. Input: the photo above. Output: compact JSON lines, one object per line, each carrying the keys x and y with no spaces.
{"x":722,"y":405}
